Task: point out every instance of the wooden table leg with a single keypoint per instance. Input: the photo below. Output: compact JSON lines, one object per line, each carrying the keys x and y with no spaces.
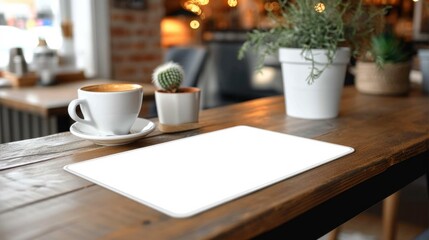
{"x":333,"y":235}
{"x":390,"y":210}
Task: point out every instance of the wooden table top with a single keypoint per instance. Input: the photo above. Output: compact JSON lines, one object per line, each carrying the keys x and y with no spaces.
{"x":52,"y":100}
{"x":38,"y":199}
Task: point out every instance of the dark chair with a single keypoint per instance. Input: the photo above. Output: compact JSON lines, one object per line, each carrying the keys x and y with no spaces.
{"x":234,"y":76}
{"x":192,"y":59}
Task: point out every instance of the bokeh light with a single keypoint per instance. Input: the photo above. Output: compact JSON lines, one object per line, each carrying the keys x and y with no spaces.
{"x":232,"y":3}
{"x":319,"y":7}
{"x":194,"y":24}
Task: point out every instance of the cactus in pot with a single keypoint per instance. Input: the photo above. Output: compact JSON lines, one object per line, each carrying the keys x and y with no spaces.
{"x":177,"y":106}
{"x":168,"y":77}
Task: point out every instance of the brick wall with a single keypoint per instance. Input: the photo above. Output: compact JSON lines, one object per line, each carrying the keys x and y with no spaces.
{"x":135,"y":41}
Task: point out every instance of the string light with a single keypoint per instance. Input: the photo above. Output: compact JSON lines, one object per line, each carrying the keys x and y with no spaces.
{"x":192,"y":7}
{"x":232,"y":3}
{"x":203,"y":2}
{"x":319,"y":7}
{"x":194,"y":24}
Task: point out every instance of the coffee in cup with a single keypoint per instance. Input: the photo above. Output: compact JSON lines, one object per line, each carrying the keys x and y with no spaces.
{"x":111,"y":109}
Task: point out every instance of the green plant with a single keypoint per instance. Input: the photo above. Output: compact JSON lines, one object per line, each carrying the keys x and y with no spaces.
{"x":388,"y":48}
{"x":168,"y":77}
{"x":315,"y":24}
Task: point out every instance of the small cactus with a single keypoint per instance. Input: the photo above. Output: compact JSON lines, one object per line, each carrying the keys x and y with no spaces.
{"x":168,"y":77}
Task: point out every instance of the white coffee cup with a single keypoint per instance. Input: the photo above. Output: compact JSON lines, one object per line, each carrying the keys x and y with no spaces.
{"x":111,"y":108}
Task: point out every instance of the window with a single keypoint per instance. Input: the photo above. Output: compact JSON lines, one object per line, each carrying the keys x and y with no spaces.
{"x":22,"y":22}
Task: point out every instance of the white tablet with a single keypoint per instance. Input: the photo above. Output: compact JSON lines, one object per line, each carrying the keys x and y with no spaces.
{"x":184,"y":177}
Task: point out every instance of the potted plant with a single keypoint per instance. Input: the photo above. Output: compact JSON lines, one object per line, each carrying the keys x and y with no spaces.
{"x":314,"y":40}
{"x":423,"y":55}
{"x":385,"y":69}
{"x":177,"y":107}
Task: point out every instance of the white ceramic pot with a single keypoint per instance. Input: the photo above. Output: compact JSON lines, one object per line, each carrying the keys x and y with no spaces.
{"x":321,"y":99}
{"x":178,"y":108}
{"x":424,"y":68}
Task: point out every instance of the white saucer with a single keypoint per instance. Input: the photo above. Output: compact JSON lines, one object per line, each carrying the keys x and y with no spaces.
{"x":140,"y":128}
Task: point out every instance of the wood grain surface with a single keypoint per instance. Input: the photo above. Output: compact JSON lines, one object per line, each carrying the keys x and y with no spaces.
{"x":39,"y":200}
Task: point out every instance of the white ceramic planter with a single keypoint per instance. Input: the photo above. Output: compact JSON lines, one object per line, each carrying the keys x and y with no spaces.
{"x":424,"y":68}
{"x":178,"y":108}
{"x":321,"y":99}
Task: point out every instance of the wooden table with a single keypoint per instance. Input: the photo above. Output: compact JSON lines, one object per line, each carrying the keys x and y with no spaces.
{"x":38,"y":199}
{"x":52,"y":100}
{"x":45,"y":107}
